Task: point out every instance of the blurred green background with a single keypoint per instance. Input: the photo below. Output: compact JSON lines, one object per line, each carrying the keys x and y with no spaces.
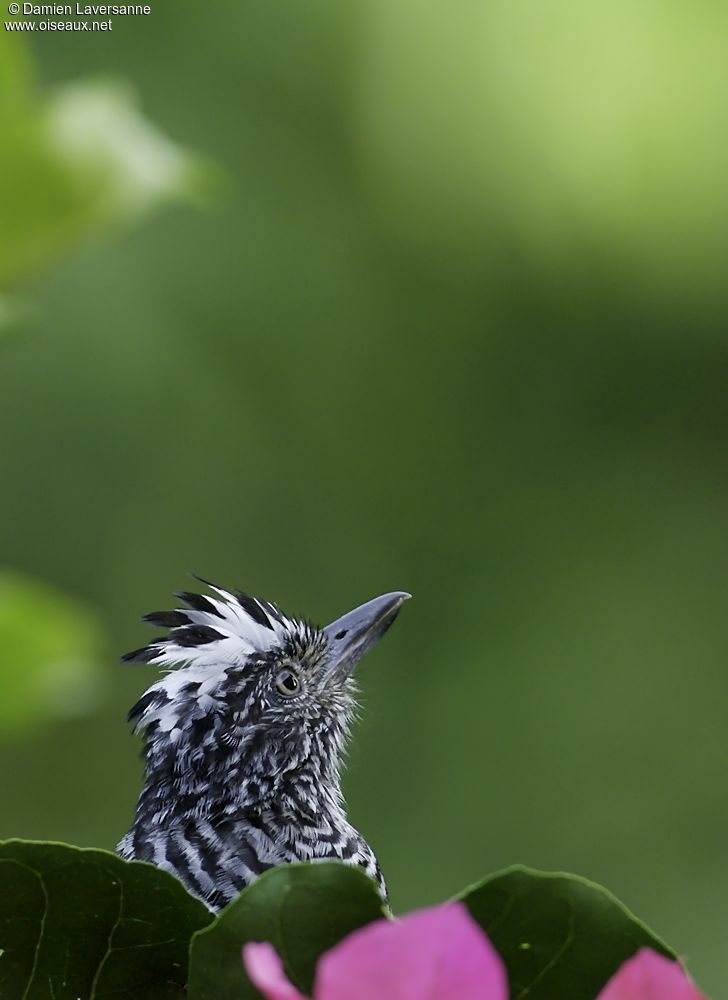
{"x":453,"y":320}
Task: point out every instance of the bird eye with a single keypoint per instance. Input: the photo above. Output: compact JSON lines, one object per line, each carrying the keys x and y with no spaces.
{"x":287,"y":683}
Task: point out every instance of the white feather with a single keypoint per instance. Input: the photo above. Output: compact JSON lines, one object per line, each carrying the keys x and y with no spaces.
{"x":208,"y":663}
{"x":241,"y":636}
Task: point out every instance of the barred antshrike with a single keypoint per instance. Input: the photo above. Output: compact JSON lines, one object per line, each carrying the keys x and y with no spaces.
{"x":243,"y":742}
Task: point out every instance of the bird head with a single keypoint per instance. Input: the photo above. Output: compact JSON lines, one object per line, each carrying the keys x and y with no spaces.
{"x":254,"y":692}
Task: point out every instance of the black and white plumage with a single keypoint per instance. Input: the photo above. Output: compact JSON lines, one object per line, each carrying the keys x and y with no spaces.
{"x":243,"y":741}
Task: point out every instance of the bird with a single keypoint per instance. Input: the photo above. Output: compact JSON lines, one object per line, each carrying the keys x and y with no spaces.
{"x":244,"y":738}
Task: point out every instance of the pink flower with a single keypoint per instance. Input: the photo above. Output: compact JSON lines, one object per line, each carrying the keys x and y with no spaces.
{"x":435,"y":954}
{"x":440,"y":954}
{"x":649,"y":976}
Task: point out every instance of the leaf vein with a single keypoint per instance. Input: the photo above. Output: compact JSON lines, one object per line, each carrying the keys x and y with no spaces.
{"x":41,"y":928}
{"x":112,"y":931}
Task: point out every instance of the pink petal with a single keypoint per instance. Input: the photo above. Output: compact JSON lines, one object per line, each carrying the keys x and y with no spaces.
{"x":435,"y":954}
{"x":649,"y":976}
{"x":265,"y":970}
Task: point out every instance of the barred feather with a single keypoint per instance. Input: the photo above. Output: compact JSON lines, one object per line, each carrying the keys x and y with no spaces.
{"x":240,"y":774}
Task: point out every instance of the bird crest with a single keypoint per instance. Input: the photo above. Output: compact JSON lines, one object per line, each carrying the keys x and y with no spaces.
{"x":219,"y":630}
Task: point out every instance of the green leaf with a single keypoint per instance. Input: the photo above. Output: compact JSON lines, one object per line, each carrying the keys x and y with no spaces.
{"x":83,"y":923}
{"x":303,"y":910}
{"x":559,"y":935}
{"x":77,"y":159}
{"x":52,"y":651}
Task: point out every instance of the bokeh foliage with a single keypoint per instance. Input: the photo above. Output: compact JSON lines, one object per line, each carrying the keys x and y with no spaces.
{"x":458,"y":328}
{"x":53,"y":649}
{"x":74,"y":160}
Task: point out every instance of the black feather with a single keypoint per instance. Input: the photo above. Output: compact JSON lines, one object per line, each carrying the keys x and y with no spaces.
{"x":167,"y":619}
{"x":195,"y":635}
{"x":251,"y":607}
{"x":271,"y":610}
{"x":136,"y":711}
{"x":199,"y":603}
{"x":143,"y":655}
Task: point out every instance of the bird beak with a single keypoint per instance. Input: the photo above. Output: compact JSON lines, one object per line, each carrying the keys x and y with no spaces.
{"x":352,"y":635}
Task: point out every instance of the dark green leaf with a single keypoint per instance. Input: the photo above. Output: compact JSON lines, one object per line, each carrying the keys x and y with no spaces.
{"x":83,"y":923}
{"x":303,"y":910}
{"x":560,"y":935}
